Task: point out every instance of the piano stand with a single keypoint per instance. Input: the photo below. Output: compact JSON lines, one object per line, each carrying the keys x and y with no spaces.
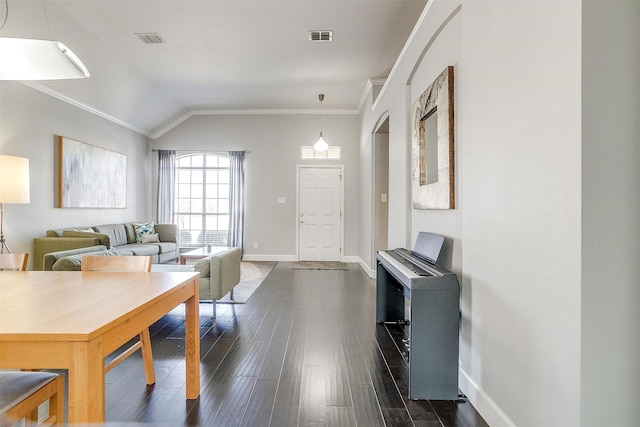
{"x":433,"y":328}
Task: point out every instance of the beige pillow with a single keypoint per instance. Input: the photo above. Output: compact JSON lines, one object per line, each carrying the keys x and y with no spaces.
{"x":149,"y":238}
{"x":68,"y":263}
{"x":203,"y":267}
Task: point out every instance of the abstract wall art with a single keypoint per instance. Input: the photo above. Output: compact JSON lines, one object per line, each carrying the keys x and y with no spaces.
{"x":90,"y":176}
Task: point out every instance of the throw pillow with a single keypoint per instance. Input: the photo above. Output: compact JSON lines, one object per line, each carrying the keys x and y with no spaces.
{"x":143,"y":228}
{"x":86,"y":230}
{"x":68,"y":263}
{"x":203,"y":267}
{"x":150,"y":238}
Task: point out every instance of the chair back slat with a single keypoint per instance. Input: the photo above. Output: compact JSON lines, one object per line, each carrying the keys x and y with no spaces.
{"x":129,"y":264}
{"x":13,"y":262}
{"x":116,"y":263}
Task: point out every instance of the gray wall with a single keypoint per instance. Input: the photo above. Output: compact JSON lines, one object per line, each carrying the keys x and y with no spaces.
{"x":610,"y":213}
{"x":274,"y":141}
{"x":29,"y":121}
{"x":544,"y":237}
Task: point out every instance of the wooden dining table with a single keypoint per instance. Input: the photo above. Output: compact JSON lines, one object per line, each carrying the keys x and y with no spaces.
{"x":73,"y":320}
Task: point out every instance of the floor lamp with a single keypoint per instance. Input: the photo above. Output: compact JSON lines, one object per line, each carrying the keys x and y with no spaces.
{"x":14,"y":187}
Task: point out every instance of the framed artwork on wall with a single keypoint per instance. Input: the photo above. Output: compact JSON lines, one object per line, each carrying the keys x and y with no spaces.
{"x":432,"y":151}
{"x":90,"y":176}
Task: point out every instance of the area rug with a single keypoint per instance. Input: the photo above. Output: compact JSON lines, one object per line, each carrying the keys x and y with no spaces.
{"x":252,"y":273}
{"x":319,"y":265}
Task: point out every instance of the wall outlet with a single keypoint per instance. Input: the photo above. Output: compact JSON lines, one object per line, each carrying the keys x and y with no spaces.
{"x":281,"y":200}
{"x":255,"y":245}
{"x":383,"y":198}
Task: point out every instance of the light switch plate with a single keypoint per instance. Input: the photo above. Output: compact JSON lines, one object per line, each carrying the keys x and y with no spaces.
{"x":282,"y":200}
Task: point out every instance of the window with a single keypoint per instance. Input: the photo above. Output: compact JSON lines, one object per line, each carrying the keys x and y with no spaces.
{"x":202,"y":199}
{"x":308,"y":153}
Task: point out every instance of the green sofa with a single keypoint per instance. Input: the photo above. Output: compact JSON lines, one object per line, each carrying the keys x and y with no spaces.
{"x":121,"y":237}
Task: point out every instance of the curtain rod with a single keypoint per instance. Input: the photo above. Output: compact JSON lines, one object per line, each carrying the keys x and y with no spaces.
{"x":154,"y":150}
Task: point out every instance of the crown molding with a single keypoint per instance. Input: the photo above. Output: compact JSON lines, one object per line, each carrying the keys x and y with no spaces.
{"x":157,"y":133}
{"x":374,"y":81}
{"x":41,"y":87}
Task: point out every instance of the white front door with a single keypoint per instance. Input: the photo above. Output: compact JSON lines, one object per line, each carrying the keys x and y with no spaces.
{"x":320,"y":213}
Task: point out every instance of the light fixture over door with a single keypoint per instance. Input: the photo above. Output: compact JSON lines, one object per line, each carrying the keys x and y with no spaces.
{"x":321,"y":145}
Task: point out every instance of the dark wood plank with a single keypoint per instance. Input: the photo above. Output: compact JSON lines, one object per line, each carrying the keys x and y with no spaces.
{"x":234,"y":406}
{"x":396,"y":417}
{"x":336,"y":381}
{"x":341,"y":416}
{"x":260,"y":406}
{"x":312,"y":396}
{"x":365,"y":406}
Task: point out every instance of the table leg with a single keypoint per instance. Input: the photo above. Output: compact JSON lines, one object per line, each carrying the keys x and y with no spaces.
{"x":192,"y":344}
{"x":86,"y":383}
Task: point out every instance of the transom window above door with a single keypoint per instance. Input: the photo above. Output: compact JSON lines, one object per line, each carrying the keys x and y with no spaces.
{"x":202,"y":199}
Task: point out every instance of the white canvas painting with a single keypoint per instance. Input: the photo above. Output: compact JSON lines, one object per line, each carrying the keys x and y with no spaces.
{"x":90,"y":176}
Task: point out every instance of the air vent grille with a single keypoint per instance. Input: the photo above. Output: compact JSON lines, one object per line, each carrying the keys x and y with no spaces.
{"x":321,"y":35}
{"x":150,"y":38}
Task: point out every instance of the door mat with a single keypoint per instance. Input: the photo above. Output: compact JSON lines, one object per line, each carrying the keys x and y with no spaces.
{"x":319,"y":265}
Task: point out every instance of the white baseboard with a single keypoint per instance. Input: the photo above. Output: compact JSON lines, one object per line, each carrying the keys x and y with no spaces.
{"x":363,"y":265}
{"x":292,"y":258}
{"x":486,"y":407}
{"x":258,"y":257}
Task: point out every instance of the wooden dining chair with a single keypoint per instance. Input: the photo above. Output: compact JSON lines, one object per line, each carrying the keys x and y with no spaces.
{"x":15,"y":262}
{"x":22,"y":394}
{"x":123,"y":264}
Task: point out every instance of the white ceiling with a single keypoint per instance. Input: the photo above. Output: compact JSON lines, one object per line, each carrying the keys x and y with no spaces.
{"x":219,"y":55}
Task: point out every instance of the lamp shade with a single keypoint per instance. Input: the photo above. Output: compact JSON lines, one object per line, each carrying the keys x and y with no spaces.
{"x":321,"y":145}
{"x":14,"y":179}
{"x":30,"y":59}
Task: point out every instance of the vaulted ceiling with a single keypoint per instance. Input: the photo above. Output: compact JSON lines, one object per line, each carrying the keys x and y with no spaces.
{"x":217,"y":55}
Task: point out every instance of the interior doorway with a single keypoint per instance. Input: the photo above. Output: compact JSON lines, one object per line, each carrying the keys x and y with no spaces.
{"x":380,"y":221}
{"x":320,"y":201}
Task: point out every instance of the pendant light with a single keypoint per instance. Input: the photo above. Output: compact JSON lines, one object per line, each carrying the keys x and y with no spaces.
{"x":321,"y":145}
{"x":31,"y":59}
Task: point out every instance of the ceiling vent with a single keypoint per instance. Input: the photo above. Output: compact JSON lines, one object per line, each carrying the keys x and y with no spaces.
{"x":321,"y":35}
{"x":150,"y":38}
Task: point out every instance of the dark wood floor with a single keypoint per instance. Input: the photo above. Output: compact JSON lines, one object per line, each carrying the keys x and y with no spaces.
{"x":304,"y":350}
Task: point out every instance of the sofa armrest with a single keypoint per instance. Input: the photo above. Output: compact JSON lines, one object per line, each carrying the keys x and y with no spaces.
{"x":45,"y":245}
{"x":52,"y":257}
{"x":224,"y":271}
{"x":167,"y":232}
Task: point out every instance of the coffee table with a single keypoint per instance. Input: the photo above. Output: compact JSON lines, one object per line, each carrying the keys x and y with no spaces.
{"x":202,"y":252}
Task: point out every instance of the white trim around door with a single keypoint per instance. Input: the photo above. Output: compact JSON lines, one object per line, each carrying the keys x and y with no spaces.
{"x":319,"y":212}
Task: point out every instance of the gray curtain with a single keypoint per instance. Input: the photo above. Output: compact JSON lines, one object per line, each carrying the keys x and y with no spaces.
{"x":166,"y":185}
{"x":235,"y":235}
